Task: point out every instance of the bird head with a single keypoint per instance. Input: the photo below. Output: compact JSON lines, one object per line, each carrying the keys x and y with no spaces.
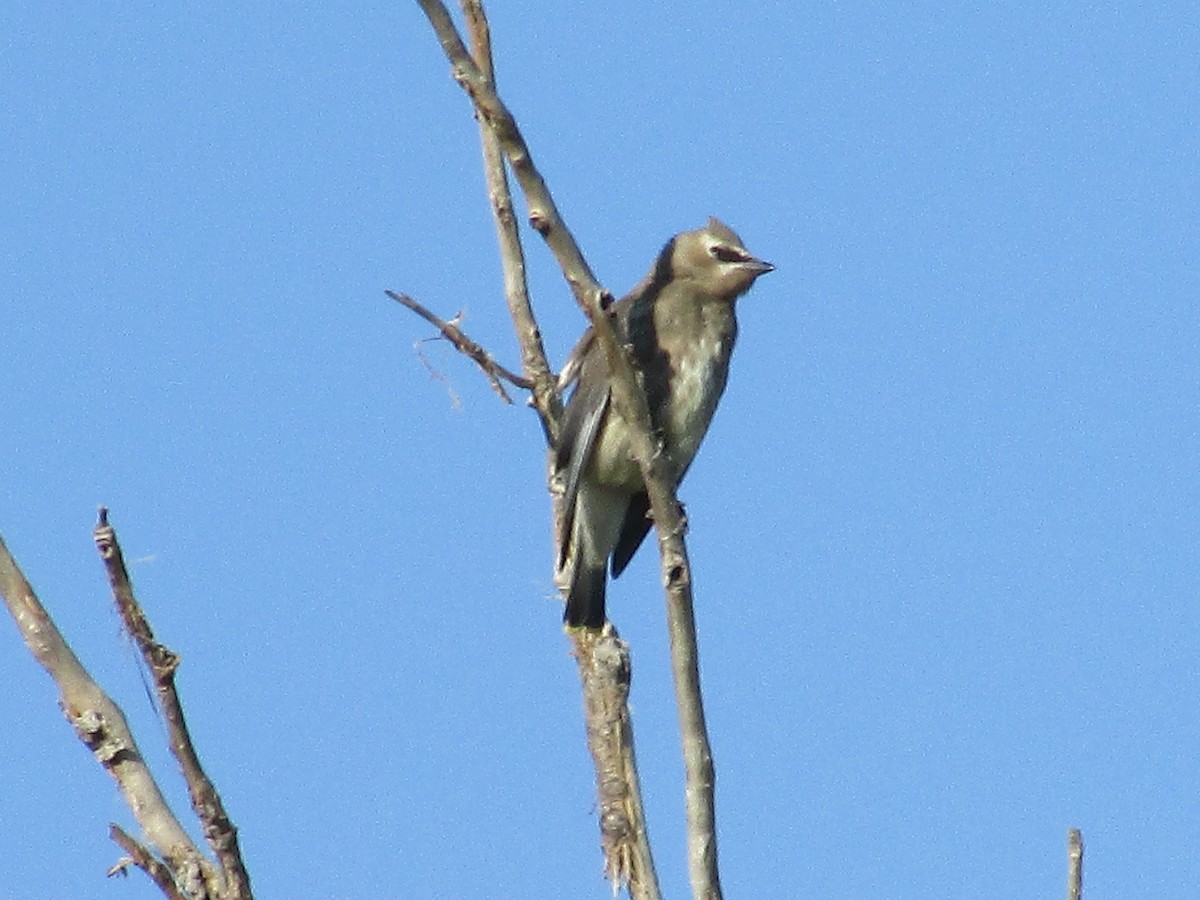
{"x":715,"y":259}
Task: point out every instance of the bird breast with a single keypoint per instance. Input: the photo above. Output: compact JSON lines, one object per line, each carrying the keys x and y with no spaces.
{"x":698,"y":374}
{"x":694,"y":341}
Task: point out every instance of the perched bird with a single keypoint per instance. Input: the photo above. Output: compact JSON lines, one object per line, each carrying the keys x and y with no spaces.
{"x":681,"y":326}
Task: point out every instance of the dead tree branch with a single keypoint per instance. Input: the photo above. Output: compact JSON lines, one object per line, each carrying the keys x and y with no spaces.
{"x":1074,"y":864}
{"x":545,"y":398}
{"x":219,"y":832}
{"x":543,"y":213}
{"x":604,"y":664}
{"x":632,"y":404}
{"x":169,"y":857}
{"x":101,"y":726}
{"x":606,"y":673}
{"x":140,"y":856}
{"x":450,"y":330}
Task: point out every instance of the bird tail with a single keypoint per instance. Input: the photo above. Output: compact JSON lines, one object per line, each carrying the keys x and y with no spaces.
{"x":585,"y":600}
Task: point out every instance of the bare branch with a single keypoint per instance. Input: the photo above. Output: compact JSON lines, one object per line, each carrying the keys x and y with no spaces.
{"x":543,"y":213}
{"x":604,"y":663}
{"x":139,"y":856}
{"x":101,"y":726}
{"x":492,"y":369}
{"x":606,"y":671}
{"x":545,"y":398}
{"x":685,"y":668}
{"x":632,"y":404}
{"x":1074,"y":864}
{"x":219,"y":832}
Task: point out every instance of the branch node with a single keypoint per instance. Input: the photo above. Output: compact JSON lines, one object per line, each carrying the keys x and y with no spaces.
{"x":450,"y":330}
{"x":120,"y":867}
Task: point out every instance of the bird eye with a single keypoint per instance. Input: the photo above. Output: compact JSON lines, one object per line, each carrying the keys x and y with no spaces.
{"x":727,"y":254}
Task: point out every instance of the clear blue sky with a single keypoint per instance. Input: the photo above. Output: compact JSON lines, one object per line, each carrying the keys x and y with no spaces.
{"x":945,"y":526}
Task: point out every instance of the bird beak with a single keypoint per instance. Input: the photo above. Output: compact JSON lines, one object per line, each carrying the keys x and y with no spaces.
{"x":757,"y":266}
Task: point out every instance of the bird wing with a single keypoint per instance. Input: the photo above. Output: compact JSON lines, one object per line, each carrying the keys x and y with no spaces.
{"x":639,"y":320}
{"x":575,"y":360}
{"x":634,"y":528}
{"x":581,"y":426}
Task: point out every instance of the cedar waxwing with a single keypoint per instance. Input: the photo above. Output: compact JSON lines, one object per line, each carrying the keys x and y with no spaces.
{"x":680,"y":323}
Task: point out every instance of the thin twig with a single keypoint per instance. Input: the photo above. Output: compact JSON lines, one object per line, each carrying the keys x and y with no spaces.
{"x":220,"y":833}
{"x":632,"y":405}
{"x":1074,"y":864}
{"x":434,"y":373}
{"x":101,"y":726}
{"x":492,"y":369}
{"x":139,"y":855}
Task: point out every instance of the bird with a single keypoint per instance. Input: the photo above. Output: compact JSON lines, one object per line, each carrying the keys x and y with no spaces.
{"x":680,"y":325}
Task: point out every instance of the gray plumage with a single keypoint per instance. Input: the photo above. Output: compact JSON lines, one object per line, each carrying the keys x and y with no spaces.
{"x":681,"y":326}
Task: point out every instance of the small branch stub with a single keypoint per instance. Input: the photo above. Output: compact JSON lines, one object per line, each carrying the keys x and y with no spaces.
{"x":1074,"y":864}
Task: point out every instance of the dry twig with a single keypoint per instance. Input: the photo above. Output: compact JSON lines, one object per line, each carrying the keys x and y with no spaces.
{"x":145,"y":860}
{"x":492,"y":369}
{"x":219,"y":832}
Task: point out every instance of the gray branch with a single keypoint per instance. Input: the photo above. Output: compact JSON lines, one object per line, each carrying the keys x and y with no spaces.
{"x":632,"y":405}
{"x":101,"y":726}
{"x":169,"y":856}
{"x":219,"y":831}
{"x":512,"y":256}
{"x":1074,"y":864}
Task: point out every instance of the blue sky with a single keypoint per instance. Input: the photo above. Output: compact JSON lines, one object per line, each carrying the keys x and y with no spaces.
{"x":944,"y":527}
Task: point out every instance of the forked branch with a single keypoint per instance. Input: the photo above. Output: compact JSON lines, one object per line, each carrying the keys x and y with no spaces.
{"x":545,"y":398}
{"x":168,"y":856}
{"x":632,"y":405}
{"x":455,"y":335}
{"x":219,"y":831}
